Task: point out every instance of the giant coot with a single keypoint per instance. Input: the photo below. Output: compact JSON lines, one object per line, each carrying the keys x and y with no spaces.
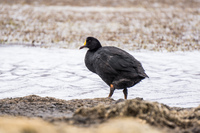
{"x":117,"y":68}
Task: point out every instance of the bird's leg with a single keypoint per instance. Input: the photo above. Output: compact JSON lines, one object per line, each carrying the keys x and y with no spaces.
{"x":111,"y":90}
{"x":125,"y":93}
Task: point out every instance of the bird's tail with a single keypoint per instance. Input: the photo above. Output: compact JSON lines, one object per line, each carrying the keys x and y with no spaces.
{"x":144,"y":75}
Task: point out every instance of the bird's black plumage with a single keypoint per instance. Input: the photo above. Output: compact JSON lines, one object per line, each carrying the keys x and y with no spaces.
{"x":116,"y":67}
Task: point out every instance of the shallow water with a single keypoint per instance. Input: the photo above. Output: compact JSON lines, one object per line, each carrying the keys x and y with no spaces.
{"x":61,"y":73}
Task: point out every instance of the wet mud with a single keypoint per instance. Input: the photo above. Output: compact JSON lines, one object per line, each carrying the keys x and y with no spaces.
{"x":93,"y":112}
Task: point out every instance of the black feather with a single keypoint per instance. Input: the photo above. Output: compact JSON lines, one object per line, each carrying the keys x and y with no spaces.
{"x":115,"y":66}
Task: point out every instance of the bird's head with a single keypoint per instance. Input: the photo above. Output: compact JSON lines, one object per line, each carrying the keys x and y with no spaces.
{"x":91,"y":43}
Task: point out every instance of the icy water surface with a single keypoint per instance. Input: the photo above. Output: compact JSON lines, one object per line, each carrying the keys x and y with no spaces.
{"x":61,"y":73}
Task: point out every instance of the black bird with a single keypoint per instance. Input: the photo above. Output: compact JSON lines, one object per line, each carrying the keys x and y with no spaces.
{"x":115,"y":66}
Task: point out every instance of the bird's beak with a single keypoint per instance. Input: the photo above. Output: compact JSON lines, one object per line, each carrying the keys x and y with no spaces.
{"x":83,"y":45}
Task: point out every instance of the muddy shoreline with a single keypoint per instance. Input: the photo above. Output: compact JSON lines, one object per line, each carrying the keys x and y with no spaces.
{"x":93,"y":112}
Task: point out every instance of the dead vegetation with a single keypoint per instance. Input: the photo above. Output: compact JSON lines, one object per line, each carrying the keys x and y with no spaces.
{"x":152,"y":25}
{"x":98,"y":112}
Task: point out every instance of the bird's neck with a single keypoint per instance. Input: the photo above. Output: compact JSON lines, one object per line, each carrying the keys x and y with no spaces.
{"x":96,"y":48}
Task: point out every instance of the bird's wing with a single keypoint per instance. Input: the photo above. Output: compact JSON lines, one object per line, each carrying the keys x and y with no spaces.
{"x":117,"y":60}
{"x":101,"y":64}
{"x":127,"y":63}
{"x":123,"y":63}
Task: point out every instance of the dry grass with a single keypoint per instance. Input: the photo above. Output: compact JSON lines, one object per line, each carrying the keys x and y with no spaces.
{"x":109,"y":3}
{"x":153,"y":25}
